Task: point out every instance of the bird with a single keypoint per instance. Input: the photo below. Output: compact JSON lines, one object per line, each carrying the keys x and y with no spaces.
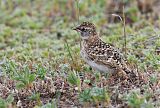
{"x":101,"y":56}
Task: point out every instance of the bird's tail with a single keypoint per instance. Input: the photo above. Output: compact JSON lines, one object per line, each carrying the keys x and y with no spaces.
{"x":130,"y":72}
{"x":127,"y":71}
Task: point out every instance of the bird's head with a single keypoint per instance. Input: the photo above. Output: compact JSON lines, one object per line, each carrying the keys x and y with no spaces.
{"x":86,"y":29}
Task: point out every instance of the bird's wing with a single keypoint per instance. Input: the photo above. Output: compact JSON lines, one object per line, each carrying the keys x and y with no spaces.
{"x":106,"y":54}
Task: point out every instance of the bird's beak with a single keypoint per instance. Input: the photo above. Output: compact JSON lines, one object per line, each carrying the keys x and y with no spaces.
{"x":76,"y":29}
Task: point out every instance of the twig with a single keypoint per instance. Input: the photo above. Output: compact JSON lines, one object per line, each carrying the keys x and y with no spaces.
{"x":118,"y":16}
{"x":124,"y":30}
{"x":77,"y":10}
{"x":69,"y":52}
{"x":77,"y":2}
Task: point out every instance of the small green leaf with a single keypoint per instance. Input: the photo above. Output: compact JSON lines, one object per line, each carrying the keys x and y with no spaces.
{"x":34,"y":96}
{"x":3,"y":103}
{"x":20,"y":85}
{"x":72,"y":78}
{"x":85,"y":96}
{"x":31,"y":77}
{"x":10,"y":98}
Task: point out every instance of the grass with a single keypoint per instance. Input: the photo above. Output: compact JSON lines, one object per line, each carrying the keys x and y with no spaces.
{"x":40,"y":64}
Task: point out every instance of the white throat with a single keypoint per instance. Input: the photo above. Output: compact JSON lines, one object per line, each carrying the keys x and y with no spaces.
{"x":84,"y":35}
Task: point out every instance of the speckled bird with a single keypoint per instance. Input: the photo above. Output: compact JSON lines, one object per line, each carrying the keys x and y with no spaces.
{"x":99,"y":55}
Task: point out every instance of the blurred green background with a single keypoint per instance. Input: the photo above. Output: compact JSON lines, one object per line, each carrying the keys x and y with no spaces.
{"x":37,"y":41}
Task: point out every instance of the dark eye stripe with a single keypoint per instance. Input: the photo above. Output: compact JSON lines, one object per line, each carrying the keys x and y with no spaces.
{"x":83,"y":29}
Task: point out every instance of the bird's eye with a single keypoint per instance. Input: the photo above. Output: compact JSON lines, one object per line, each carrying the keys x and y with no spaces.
{"x":83,"y":29}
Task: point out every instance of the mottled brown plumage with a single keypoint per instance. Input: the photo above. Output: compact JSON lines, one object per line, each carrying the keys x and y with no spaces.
{"x":98,"y":54}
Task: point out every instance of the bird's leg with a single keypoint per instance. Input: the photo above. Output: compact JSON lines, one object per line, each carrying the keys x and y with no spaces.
{"x":122,"y":76}
{"x":100,"y":78}
{"x":101,"y":84}
{"x":108,"y":76}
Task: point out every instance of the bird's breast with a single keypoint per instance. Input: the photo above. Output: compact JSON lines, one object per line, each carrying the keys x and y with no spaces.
{"x":93,"y":64}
